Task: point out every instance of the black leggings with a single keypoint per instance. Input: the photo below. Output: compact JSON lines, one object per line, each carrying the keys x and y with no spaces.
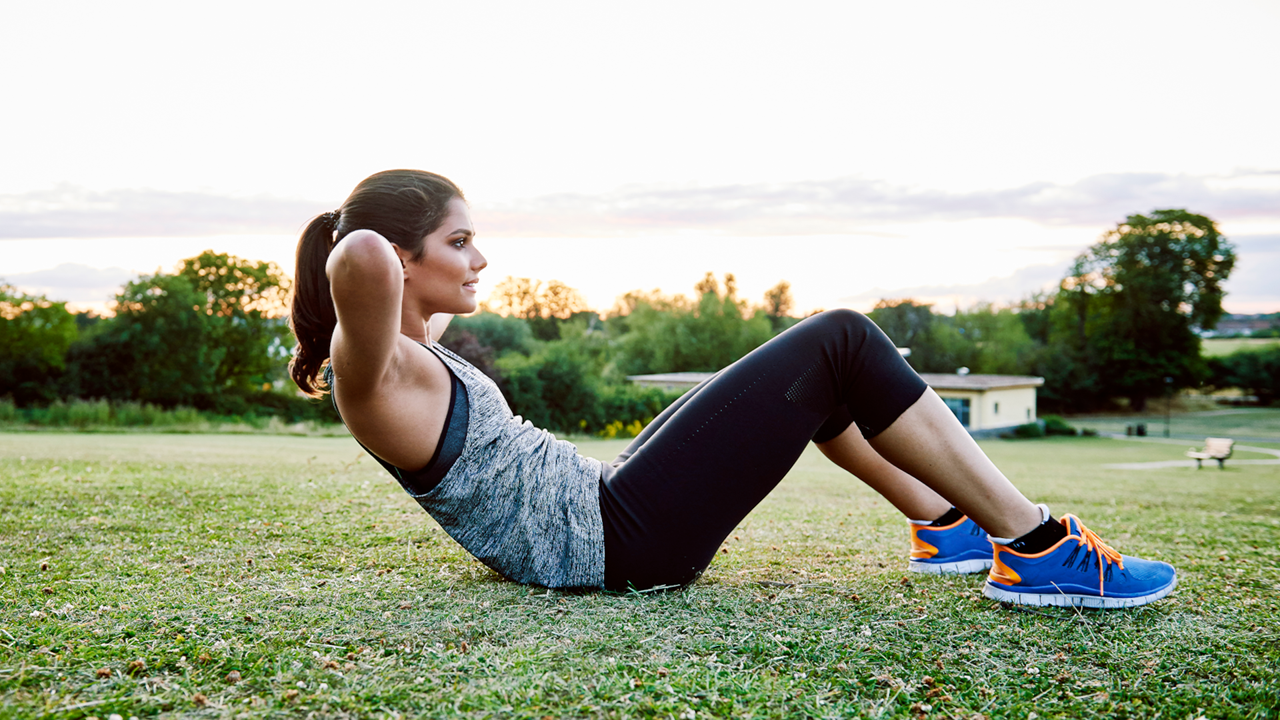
{"x":678,"y":490}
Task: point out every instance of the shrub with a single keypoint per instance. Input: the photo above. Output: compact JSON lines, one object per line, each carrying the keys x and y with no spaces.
{"x":184,"y":416}
{"x":523,"y":388}
{"x":612,"y":430}
{"x":84,"y":413}
{"x":9,"y":412}
{"x":77,"y":413}
{"x":631,"y":403}
{"x":136,"y":414}
{"x":55,"y":414}
{"x":618,"y":428}
{"x":1256,"y":372}
{"x":1055,"y":425}
{"x":557,"y":388}
{"x":498,"y":333}
{"x":101,"y":413}
{"x":1030,"y":430}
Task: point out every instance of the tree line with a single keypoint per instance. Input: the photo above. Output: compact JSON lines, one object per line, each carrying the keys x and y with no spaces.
{"x":212,"y":336}
{"x":564,"y":367}
{"x":209,"y":336}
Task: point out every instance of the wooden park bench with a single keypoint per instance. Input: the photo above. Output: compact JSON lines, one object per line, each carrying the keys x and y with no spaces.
{"x":1214,"y":449}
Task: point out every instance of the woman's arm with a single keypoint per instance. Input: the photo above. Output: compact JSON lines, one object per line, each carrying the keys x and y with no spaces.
{"x":366,"y":280}
{"x":439,"y":322}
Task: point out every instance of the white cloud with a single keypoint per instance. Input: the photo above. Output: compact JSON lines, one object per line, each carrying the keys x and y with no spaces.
{"x":843,"y":205}
{"x":72,"y":282}
{"x":1252,"y":287}
{"x":847,"y":205}
{"x":68,"y":211}
{"x":1004,"y":289}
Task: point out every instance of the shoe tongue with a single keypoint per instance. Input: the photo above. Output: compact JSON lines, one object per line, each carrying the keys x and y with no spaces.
{"x":1072,"y":524}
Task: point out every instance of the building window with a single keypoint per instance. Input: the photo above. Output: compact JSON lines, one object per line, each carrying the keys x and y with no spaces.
{"x":997,"y":410}
{"x":959,"y":406}
{"x":1028,"y":413}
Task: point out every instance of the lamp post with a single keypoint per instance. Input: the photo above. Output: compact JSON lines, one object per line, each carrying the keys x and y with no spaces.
{"x":1168,"y":403}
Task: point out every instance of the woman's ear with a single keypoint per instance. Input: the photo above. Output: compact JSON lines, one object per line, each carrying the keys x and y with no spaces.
{"x":402,"y":254}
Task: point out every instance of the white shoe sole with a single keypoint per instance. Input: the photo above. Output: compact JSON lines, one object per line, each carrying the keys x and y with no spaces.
{"x":1069,"y":600}
{"x":962,"y":567}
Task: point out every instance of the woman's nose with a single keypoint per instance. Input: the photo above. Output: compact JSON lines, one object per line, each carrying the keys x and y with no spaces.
{"x":479,"y":263}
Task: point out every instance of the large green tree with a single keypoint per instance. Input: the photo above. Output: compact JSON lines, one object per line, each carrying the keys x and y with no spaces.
{"x":661,"y":333}
{"x":1128,"y":310}
{"x":499,"y":333}
{"x":249,"y":299}
{"x":996,"y":339}
{"x":34,"y":336}
{"x":905,"y":321}
{"x":778,"y":304}
{"x":545,"y":307}
{"x":158,"y":348}
{"x":935,"y":342}
{"x":209,"y":335}
{"x":984,"y":339}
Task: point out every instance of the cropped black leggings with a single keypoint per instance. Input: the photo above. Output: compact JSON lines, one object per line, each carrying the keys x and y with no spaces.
{"x":673,"y":496}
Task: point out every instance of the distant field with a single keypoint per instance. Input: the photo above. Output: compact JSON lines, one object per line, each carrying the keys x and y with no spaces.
{"x":1226,"y":346}
{"x":263,"y":576}
{"x":1263,"y":424}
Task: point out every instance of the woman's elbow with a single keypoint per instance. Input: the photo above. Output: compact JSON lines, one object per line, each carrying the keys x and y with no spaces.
{"x":361,"y":252}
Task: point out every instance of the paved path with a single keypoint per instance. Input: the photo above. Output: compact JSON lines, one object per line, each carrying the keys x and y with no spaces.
{"x":1188,"y":463}
{"x":1157,"y":435}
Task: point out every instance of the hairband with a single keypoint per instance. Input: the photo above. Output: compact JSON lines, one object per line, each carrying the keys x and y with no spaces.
{"x":332,"y":218}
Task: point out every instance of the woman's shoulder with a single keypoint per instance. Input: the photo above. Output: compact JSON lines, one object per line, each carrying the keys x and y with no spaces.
{"x":398,"y":416}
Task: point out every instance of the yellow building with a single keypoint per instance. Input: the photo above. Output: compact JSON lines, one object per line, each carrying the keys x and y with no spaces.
{"x":987,"y":404}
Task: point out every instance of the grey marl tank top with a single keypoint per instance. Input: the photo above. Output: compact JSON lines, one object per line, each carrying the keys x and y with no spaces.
{"x":519,"y":500}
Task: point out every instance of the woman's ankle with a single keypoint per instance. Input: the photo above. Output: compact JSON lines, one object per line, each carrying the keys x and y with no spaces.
{"x":1038,"y":539}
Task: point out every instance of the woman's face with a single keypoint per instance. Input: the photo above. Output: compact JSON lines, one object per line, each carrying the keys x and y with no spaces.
{"x":444,"y":280}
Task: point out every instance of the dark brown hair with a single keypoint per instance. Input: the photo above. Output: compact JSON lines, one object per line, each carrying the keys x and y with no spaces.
{"x":403,"y":206}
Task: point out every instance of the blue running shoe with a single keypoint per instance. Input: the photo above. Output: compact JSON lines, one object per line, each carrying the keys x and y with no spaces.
{"x":1079,"y":571}
{"x":961,"y":547}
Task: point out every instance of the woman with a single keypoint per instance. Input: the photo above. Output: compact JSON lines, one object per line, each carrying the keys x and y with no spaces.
{"x":378,"y":280}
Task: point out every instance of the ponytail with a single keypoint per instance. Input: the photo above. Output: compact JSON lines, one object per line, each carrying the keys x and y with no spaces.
{"x":312,"y":316}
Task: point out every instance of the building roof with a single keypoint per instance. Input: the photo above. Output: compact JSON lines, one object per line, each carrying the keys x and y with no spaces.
{"x":947,"y":381}
{"x":679,"y":377}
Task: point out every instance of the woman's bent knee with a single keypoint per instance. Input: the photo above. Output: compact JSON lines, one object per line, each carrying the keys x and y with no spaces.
{"x":852,"y":324}
{"x":844,"y":318}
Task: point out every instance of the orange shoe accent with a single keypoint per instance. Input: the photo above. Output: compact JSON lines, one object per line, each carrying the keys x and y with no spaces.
{"x":920,"y":550}
{"x":1004,"y":574}
{"x":1000,"y":572}
{"x":1093,"y":542}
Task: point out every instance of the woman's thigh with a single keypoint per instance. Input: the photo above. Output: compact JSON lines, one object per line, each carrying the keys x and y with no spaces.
{"x":690,"y":479}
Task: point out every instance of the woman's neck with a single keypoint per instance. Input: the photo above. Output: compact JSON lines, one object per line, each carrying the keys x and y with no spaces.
{"x":414,"y":324}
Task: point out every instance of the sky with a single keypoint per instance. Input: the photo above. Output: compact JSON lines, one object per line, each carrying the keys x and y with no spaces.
{"x":952,"y":152}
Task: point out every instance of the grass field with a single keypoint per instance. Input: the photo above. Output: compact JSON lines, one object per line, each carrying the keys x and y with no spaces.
{"x":1215,"y":347}
{"x":277,"y":576}
{"x":1260,"y":424}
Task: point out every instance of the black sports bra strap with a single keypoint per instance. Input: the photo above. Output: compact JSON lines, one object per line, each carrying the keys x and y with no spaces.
{"x":448,"y":448}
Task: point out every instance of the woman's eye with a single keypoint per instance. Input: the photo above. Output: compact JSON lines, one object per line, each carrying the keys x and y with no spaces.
{"x":460,"y":242}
